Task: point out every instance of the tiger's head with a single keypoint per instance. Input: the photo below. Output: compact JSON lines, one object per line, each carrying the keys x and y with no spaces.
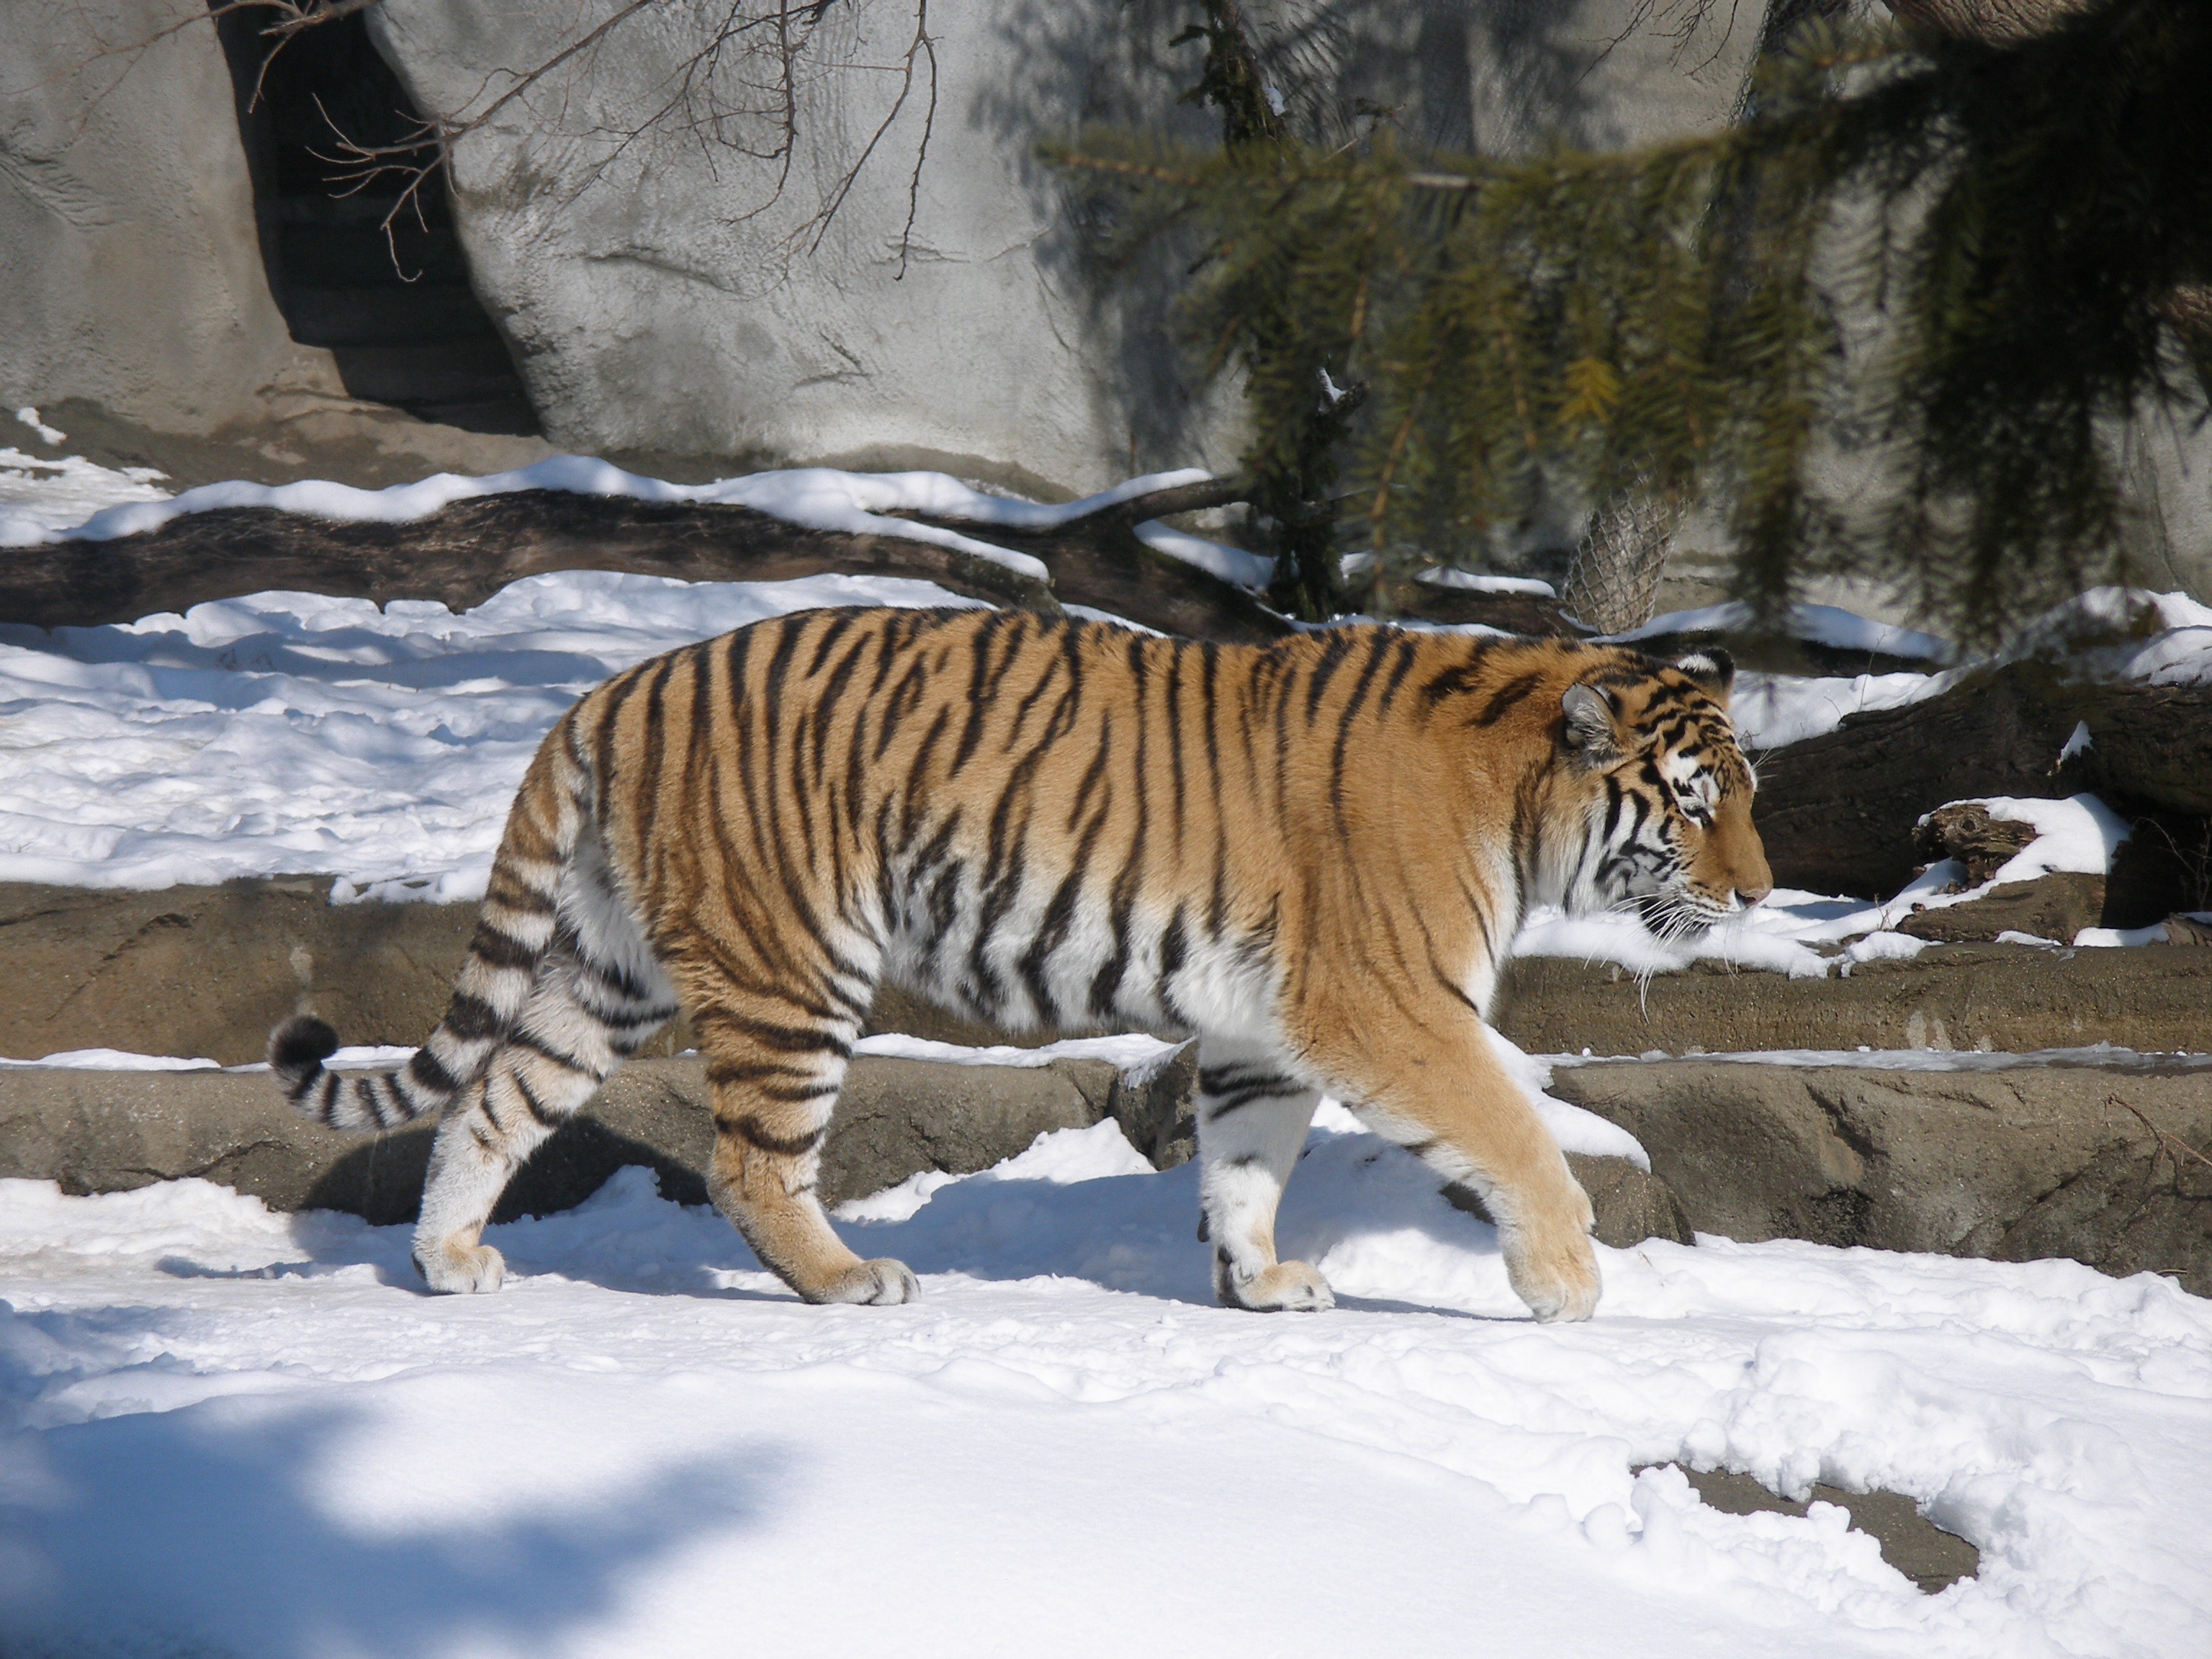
{"x":1668,"y":794}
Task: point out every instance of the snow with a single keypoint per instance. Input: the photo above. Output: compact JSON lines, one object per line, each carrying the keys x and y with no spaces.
{"x":231,"y":1430}
{"x":821,"y":498}
{"x":1771,"y":711}
{"x":2108,"y":937}
{"x":1773,"y":937}
{"x":39,"y":500}
{"x":1232,"y":564}
{"x":111,"y":1060}
{"x":47,"y":434}
{"x":286,"y":731}
{"x":2079,"y":834}
{"x":1881,"y":946}
{"x":1469,"y":581}
{"x":1823,"y":624}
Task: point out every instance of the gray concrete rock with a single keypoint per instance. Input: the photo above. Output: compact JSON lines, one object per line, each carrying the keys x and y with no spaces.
{"x":134,"y":303}
{"x":2096,"y":1163}
{"x":99,"y":1131}
{"x":2009,"y":998}
{"x":130,"y":270}
{"x":206,"y":971}
{"x":661,"y":292}
{"x":2053,"y":907}
{"x":662,"y":297}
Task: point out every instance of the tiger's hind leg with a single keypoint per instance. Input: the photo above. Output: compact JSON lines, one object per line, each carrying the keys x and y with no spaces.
{"x":1252,"y":1121}
{"x":597,"y":997}
{"x":775,"y":1076}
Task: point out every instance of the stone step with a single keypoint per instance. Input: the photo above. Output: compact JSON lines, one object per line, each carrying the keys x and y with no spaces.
{"x":206,"y":971}
{"x":2111,"y":1166}
{"x":112,"y":1131}
{"x":2011,"y":998}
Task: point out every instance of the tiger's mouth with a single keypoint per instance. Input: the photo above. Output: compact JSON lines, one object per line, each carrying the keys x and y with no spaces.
{"x":1678,"y":913}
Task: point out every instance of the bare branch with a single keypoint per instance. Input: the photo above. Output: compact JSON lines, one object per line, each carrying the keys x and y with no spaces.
{"x":738,"y":93}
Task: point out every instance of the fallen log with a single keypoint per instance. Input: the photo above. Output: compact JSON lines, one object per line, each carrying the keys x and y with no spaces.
{"x":1837,"y":811}
{"x":469,"y":550}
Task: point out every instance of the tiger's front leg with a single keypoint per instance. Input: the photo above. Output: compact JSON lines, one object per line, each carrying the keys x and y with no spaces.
{"x":1252,"y":1119}
{"x":1440,"y":1092}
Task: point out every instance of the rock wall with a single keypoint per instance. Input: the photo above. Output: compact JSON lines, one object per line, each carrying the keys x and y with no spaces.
{"x":667,"y":293}
{"x":661,"y":293}
{"x":131,"y":270}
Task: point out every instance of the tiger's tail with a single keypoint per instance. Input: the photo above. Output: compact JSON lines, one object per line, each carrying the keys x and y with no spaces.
{"x":513,"y":932}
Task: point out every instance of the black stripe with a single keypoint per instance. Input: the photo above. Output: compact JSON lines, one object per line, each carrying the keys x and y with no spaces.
{"x":426,"y":1070}
{"x":748,"y":1128}
{"x":1341,"y":641}
{"x":1407,"y":652}
{"x":471,"y":1018}
{"x":502,"y":950}
{"x":1057,"y":915}
{"x":537,"y":1108}
{"x":524,"y":1038}
{"x":648,"y":785}
{"x":1513,"y":691}
{"x":507,"y":889}
{"x":1351,"y":707}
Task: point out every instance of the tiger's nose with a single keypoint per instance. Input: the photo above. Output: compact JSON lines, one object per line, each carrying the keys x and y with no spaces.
{"x":1748,"y":897}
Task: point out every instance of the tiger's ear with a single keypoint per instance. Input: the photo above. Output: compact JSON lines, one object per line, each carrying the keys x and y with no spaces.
{"x":1590,"y":732}
{"x":1713,"y":670}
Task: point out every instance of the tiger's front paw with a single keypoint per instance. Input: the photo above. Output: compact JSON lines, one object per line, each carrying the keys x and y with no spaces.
{"x":878,"y":1284}
{"x":452,"y":1269}
{"x":1286,"y":1287}
{"x":1554,"y":1271}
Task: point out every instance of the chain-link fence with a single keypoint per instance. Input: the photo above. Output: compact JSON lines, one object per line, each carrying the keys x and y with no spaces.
{"x":1613,"y":582}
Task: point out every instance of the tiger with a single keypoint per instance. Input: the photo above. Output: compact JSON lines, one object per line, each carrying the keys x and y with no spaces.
{"x":1312,"y":855}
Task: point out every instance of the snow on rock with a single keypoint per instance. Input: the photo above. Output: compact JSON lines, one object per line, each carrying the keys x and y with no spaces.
{"x":1137,"y":1055}
{"x":1771,"y":711}
{"x":40,"y":499}
{"x":1475,"y":582}
{"x":112,"y":1060}
{"x":1232,"y":564}
{"x":821,"y":498}
{"x":1883,"y":946}
{"x":1823,"y":624}
{"x":2108,"y":937}
{"x":285,"y":732}
{"x":1576,"y":1129}
{"x":2080,"y":834}
{"x":1773,"y":937}
{"x":231,"y":1431}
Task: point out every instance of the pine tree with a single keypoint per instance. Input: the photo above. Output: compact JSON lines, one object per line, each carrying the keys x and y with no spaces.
{"x":2030,"y":217}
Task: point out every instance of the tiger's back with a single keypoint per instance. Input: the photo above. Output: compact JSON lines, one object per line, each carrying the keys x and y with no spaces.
{"x":1312,"y":854}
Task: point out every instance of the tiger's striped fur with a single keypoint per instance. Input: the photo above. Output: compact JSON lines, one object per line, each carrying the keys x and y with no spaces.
{"x":1311,"y":855}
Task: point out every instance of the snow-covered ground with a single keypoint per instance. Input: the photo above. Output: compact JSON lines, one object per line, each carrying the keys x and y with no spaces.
{"x":223,"y":1431}
{"x":229,"y":1431}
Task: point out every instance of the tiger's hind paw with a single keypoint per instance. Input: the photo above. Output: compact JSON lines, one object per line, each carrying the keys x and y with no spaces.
{"x":878,"y":1284}
{"x":453,"y":1269}
{"x":1286,"y":1287}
